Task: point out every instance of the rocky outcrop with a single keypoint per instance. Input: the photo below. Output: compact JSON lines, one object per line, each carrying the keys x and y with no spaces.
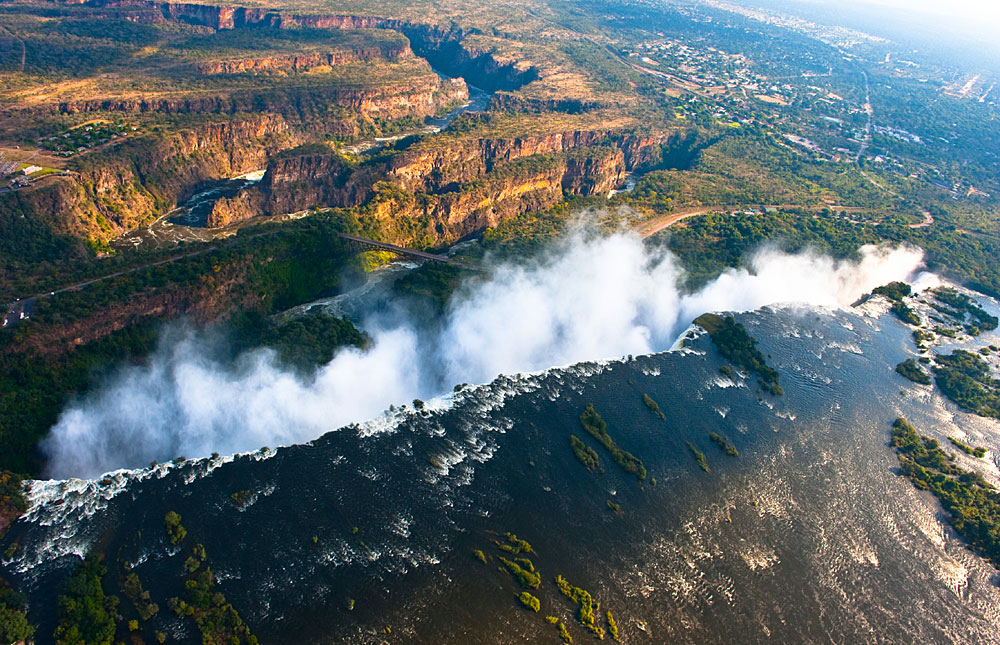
{"x":115,"y":191}
{"x":594,"y":173}
{"x":537,"y":174}
{"x":295,"y":63}
{"x":507,"y":101}
{"x":417,"y":98}
{"x":433,"y":169}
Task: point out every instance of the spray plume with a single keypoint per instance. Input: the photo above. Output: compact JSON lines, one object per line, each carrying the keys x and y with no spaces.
{"x":587,"y":298}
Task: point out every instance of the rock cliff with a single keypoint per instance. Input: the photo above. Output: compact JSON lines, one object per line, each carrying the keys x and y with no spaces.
{"x":447,"y":49}
{"x":420,"y":96}
{"x":296,"y":63}
{"x":438,"y":196}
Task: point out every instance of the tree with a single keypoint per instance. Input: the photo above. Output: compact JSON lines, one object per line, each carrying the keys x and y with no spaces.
{"x":86,"y":615}
{"x":14,"y":625}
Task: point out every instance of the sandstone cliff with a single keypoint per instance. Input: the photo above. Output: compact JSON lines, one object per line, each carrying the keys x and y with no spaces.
{"x":419,"y":97}
{"x":444,"y":195}
{"x":446,"y":48}
{"x":124,"y":187}
{"x":297,"y":63}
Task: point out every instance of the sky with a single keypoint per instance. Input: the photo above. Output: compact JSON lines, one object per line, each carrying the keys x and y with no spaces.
{"x":974,"y":12}
{"x":963,"y":31}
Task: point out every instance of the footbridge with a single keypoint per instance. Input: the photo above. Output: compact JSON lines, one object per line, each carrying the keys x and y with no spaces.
{"x":392,"y":248}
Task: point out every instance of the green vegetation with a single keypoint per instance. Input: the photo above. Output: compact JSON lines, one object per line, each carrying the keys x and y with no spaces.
{"x":478,"y":553}
{"x":614,"y":506}
{"x":895,"y":291}
{"x":653,"y":405}
{"x":973,"y":505}
{"x":965,"y":378}
{"x":564,"y":634}
{"x":33,"y":389}
{"x":527,"y":578}
{"x":723,"y":444}
{"x":529,"y":601}
{"x":699,"y":457}
{"x":515,"y":545}
{"x":14,"y":625}
{"x":42,"y":365}
{"x":433,"y":282}
{"x":978,"y":451}
{"x":587,"y":455}
{"x":962,"y":304}
{"x":12,"y":501}
{"x":241,"y":498}
{"x":902,"y":311}
{"x":735,"y":344}
{"x":305,"y":342}
{"x":175,"y":531}
{"x":86,"y":614}
{"x":911,"y":369}
{"x":217,"y":620}
{"x":613,"y":627}
{"x":139,"y":597}
{"x":587,"y":605}
{"x":596,"y":426}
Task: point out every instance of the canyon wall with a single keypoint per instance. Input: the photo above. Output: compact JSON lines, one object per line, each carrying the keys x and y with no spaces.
{"x":450,"y":191}
{"x":112,"y":192}
{"x":443,"y":47}
{"x":417,"y":98}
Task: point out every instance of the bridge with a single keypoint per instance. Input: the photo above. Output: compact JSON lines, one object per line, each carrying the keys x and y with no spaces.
{"x":392,"y":248}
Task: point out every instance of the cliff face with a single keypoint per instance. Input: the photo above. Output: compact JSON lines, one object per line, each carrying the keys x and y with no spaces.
{"x":444,"y":195}
{"x":445,"y":48}
{"x":418,"y":98}
{"x":118,"y":190}
{"x":442,"y":168}
{"x":438,"y":219}
{"x":594,"y":174}
{"x":305,"y":62}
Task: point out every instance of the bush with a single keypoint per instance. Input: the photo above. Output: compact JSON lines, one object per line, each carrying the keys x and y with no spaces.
{"x":595,"y":425}
{"x":912,"y":370}
{"x":175,"y":531}
{"x":527,"y":579}
{"x":735,"y":344}
{"x":86,"y":615}
{"x":529,"y":601}
{"x":723,"y":444}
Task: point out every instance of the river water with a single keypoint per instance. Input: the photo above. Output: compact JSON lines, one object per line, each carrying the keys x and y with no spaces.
{"x":809,"y":535}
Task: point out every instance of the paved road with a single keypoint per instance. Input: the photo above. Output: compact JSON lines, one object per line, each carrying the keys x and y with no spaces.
{"x":23,"y":307}
{"x":653,"y":226}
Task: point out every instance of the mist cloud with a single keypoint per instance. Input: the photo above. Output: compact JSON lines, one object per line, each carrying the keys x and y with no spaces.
{"x":588,"y":298}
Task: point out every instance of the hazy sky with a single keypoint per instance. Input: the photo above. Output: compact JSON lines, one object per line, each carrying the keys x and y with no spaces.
{"x":974,"y":11}
{"x":966,"y":31}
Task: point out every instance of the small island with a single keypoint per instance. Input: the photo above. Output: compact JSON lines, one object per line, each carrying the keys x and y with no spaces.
{"x":737,"y":345}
